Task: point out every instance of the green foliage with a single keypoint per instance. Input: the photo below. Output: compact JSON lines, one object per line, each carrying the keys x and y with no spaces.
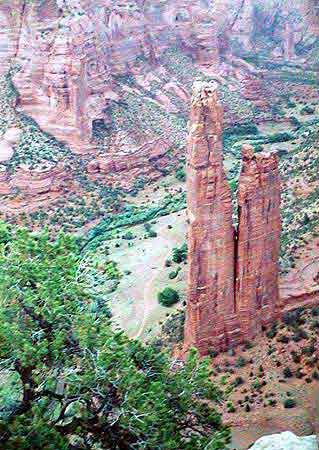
{"x":128,"y":236}
{"x":78,"y":383}
{"x":240,"y":130}
{"x":240,"y":361}
{"x":180,"y":174}
{"x":180,"y":254}
{"x":131,"y":216}
{"x":173,"y":274}
{"x":150,"y":232}
{"x":287,"y":372}
{"x":168,"y":296}
{"x":295,"y":122}
{"x":238,"y":381}
{"x":289,"y":403}
{"x":308,"y":109}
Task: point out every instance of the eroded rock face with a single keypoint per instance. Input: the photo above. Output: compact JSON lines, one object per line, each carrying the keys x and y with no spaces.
{"x":211,"y":233}
{"x":34,"y":182}
{"x":258,"y":241}
{"x":233,"y":278}
{"x":71,"y":50}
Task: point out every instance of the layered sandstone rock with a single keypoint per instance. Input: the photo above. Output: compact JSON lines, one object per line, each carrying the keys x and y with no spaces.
{"x":33,"y":182}
{"x":39,"y":181}
{"x":211,"y":232}
{"x":147,"y":161}
{"x":258,"y":238}
{"x":232,"y":278}
{"x":71,"y":50}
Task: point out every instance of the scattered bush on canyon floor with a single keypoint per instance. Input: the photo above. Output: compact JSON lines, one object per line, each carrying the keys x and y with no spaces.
{"x":172,"y":275}
{"x":180,"y":254}
{"x":287,"y":372}
{"x":180,"y":174}
{"x":168,"y":296}
{"x":289,"y":403}
{"x":308,"y":110}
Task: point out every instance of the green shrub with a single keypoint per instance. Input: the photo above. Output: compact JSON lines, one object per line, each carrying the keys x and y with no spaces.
{"x":287,"y":372}
{"x":240,"y":361}
{"x":272,"y":332}
{"x":299,"y":335}
{"x":308,"y":110}
{"x":248,"y":345}
{"x":240,"y":130}
{"x":238,"y":381}
{"x":289,"y":403}
{"x":295,"y":122}
{"x":180,"y":174}
{"x":180,"y":254}
{"x":309,"y":350}
{"x":295,"y":357}
{"x":172,"y":275}
{"x":291,"y":104}
{"x":283,"y":338}
{"x":168,"y":296}
{"x":230,"y":407}
{"x":280,"y":137}
{"x":256,"y":385}
{"x":212,"y":353}
{"x":128,"y":236}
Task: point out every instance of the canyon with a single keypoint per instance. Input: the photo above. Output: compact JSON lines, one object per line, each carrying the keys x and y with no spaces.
{"x":177,"y":141}
{"x":69,"y":59}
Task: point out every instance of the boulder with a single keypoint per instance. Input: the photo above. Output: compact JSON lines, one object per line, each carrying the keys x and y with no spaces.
{"x":286,"y":441}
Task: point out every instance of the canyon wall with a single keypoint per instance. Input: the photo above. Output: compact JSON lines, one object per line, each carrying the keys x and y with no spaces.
{"x":70,"y":51}
{"x":233,"y":277}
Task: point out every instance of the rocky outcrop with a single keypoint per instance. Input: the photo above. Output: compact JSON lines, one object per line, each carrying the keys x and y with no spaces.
{"x":258,"y":241}
{"x":147,"y":161}
{"x":211,"y":233}
{"x":286,"y":441}
{"x":27,"y":182}
{"x":233,"y":277}
{"x":7,"y":142}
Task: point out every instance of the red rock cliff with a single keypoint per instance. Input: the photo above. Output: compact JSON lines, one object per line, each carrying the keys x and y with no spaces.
{"x":211,"y":232}
{"x":259,"y":229}
{"x":233,"y":279}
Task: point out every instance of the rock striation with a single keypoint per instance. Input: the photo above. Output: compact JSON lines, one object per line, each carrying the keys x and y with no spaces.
{"x":258,"y":241}
{"x":211,"y":233}
{"x":71,"y":51}
{"x":233,"y":275}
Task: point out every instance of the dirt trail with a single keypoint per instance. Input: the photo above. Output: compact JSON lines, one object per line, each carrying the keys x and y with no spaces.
{"x":134,"y":304}
{"x":150,"y":289}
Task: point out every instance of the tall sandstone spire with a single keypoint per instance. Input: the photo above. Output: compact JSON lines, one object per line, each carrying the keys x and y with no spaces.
{"x":233,"y":276}
{"x":211,"y":232}
{"x":259,"y":227}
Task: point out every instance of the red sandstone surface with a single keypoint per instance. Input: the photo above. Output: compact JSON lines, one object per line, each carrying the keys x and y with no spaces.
{"x":259,"y":226}
{"x":233,"y":278}
{"x":70,"y":51}
{"x":211,"y":234}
